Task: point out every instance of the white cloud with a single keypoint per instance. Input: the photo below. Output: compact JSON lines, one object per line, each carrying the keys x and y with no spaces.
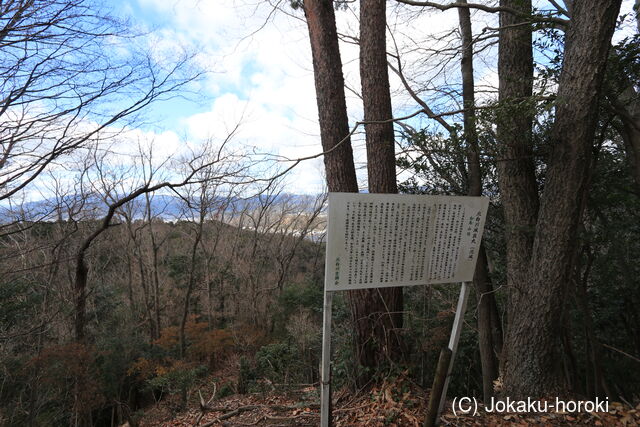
{"x":263,"y":75}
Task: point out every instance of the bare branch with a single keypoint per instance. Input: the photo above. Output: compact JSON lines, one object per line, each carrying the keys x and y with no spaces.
{"x":485,"y":8}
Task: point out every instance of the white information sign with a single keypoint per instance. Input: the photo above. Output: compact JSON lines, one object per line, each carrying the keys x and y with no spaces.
{"x":382,"y":240}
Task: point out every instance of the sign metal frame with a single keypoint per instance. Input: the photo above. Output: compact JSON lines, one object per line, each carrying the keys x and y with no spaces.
{"x":331,"y":281}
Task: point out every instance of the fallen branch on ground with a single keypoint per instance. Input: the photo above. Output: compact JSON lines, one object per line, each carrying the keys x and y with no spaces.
{"x":234,"y":412}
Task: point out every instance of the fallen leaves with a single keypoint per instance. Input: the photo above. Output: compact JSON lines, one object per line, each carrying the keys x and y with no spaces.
{"x":398,"y":403}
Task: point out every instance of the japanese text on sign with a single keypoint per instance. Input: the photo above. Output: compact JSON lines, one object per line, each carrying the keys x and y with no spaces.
{"x":380,"y":240}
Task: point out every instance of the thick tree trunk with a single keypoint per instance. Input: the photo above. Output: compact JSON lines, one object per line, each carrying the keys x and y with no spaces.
{"x":377,"y":313}
{"x":332,"y":108}
{"x":533,"y":339}
{"x":516,"y":176}
{"x":367,"y":306}
{"x":376,"y":98}
{"x":518,"y":189}
{"x":487,"y":309}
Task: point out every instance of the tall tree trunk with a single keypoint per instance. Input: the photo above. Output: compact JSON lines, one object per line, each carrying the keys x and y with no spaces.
{"x":332,"y":108}
{"x":518,"y":189}
{"x":487,"y":309}
{"x":376,"y":98}
{"x":533,"y":339}
{"x":377,"y":313}
{"x":334,"y":129}
{"x":516,"y":176}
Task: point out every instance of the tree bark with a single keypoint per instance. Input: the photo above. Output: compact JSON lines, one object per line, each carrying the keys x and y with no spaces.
{"x":332,"y":108}
{"x":366,"y":305}
{"x":339,"y":166}
{"x":487,"y":309}
{"x":533,"y":339}
{"x":377,"y":313}
{"x":376,"y":98}
{"x":518,"y":188}
{"x":515,"y":165}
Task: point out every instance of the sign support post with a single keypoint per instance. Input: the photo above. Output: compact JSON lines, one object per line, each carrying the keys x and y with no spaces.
{"x":325,"y":375}
{"x":458,"y":321}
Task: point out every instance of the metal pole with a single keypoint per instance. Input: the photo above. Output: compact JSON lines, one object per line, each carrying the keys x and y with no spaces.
{"x":433,"y":405}
{"x":453,"y":340}
{"x":325,"y":375}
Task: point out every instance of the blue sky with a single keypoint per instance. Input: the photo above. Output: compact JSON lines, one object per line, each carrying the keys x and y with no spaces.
{"x":260,"y":73}
{"x":263,"y":81}
{"x":260,"y":78}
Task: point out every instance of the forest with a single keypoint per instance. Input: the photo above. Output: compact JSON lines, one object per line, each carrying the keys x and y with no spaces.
{"x":148,"y":281}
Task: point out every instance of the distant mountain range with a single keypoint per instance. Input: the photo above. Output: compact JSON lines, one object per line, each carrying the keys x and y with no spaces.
{"x":163,"y":206}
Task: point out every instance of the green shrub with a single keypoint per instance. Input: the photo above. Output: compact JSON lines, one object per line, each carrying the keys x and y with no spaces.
{"x":278,"y":362}
{"x":245,"y":376}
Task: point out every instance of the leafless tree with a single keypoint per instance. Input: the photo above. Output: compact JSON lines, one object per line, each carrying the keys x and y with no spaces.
{"x":218,"y":166}
{"x":69,"y":71}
